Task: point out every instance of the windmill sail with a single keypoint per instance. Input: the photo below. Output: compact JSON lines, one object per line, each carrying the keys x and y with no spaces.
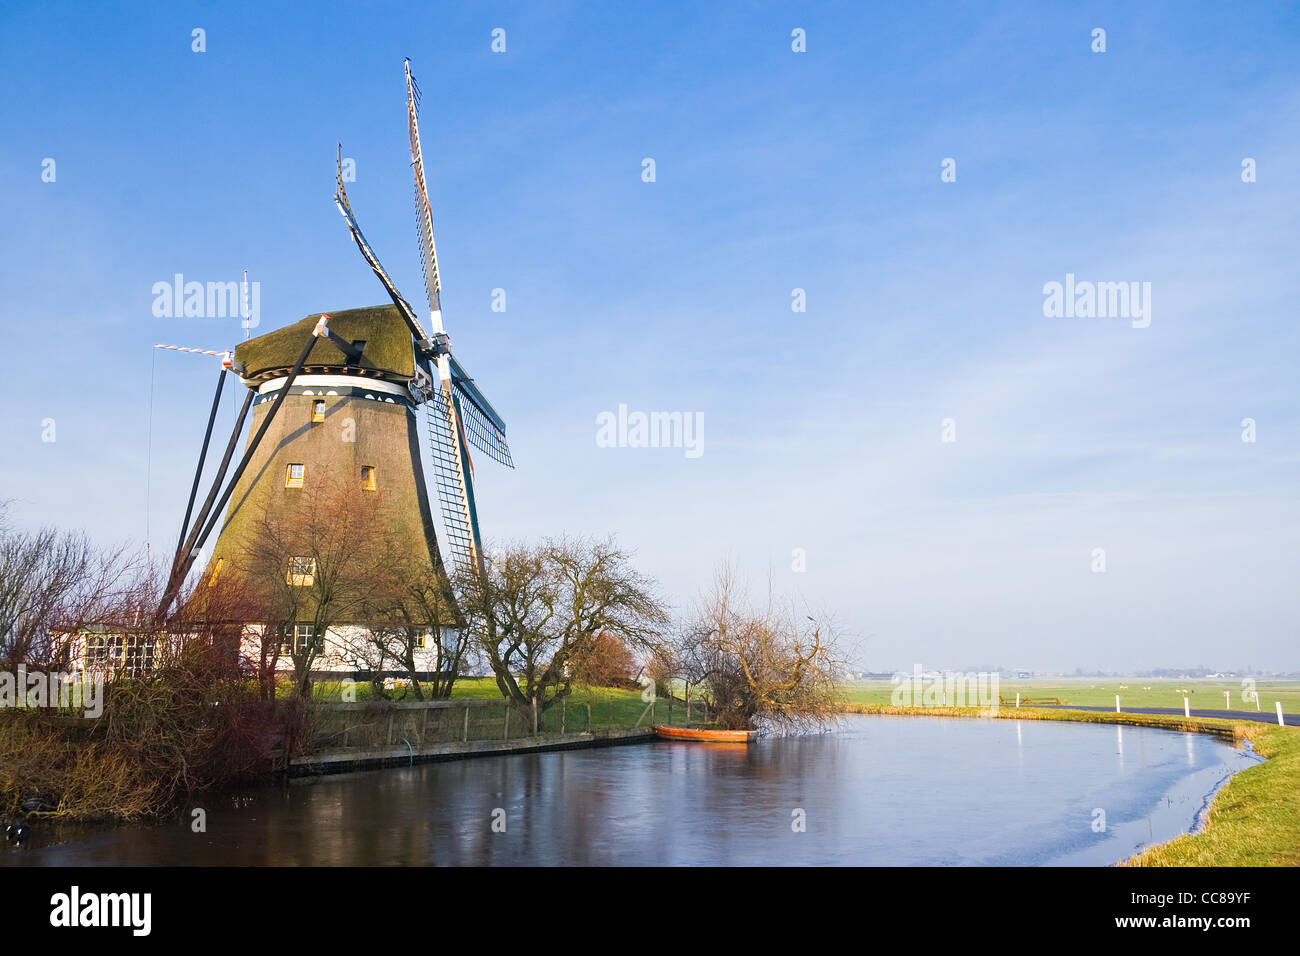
{"x":345,"y":208}
{"x":423,"y":211}
{"x":449,"y":476}
{"x":482,"y":431}
{"x":483,"y":426}
{"x":446,"y":430}
{"x":457,"y":413}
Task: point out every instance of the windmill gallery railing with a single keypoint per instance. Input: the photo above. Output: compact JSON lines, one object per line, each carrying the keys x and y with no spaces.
{"x":341,"y":731}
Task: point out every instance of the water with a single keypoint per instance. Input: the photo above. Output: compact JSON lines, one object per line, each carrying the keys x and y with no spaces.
{"x":877,"y":791}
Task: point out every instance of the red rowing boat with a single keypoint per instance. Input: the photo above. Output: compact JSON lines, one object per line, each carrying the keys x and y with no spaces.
{"x":710,"y":736}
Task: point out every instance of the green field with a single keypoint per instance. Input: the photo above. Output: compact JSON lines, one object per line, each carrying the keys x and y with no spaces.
{"x":1091,"y":692}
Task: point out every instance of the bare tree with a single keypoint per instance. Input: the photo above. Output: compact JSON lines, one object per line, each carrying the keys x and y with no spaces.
{"x":774,"y":665}
{"x":540,"y":610}
{"x":427,"y":613}
{"x":313,"y":569}
{"x":53,"y":585}
{"x":411,"y":618}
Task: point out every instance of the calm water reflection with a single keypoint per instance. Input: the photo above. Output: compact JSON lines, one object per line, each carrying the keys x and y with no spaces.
{"x":880,"y":790}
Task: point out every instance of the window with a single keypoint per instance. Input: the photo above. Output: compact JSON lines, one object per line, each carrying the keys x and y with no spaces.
{"x":318,"y":410}
{"x":216,"y":573}
{"x":420,"y":641}
{"x":97,"y":650}
{"x":305,"y":636}
{"x":369,"y":482}
{"x":137,"y":655}
{"x":302,"y":572}
{"x":294,"y":475}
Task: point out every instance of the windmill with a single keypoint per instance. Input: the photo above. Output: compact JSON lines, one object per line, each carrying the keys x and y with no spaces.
{"x":379,"y":368}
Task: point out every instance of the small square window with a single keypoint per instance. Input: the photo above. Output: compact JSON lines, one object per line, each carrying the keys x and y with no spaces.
{"x":302,"y":572}
{"x":369,"y":480}
{"x":318,"y":410}
{"x":305,"y":636}
{"x":294,"y":475}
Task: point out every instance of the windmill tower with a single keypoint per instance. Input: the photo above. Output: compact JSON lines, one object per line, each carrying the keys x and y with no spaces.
{"x":339,"y":397}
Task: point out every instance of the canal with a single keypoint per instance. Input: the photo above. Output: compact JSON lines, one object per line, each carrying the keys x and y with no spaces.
{"x":876,"y":791}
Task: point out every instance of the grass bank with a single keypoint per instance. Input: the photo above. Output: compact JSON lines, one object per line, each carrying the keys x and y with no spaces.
{"x":1253,"y":821}
{"x":1201,"y":693}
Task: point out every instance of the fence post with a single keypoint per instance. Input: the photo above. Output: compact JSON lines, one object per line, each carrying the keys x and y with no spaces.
{"x":611,"y":714}
{"x":534,"y":715}
{"x":507,"y":731}
{"x":465,"y":738}
{"x":688,"y":702}
{"x":589,"y":718}
{"x":562,"y":700}
{"x":388,"y":741}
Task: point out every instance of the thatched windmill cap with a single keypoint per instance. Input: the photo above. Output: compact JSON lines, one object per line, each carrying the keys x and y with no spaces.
{"x":387,"y":352}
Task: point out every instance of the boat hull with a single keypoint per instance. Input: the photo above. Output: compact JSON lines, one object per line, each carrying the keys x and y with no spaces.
{"x":706,"y":736}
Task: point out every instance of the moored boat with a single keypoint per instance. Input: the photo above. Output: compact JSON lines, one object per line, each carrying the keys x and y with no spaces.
{"x":710,"y":736}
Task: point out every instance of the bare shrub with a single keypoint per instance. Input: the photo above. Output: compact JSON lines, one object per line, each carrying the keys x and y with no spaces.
{"x":771,"y":665}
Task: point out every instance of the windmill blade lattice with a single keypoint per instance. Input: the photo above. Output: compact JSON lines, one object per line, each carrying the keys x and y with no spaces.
{"x":481,"y":431}
{"x":423,"y":211}
{"x":452,"y":495}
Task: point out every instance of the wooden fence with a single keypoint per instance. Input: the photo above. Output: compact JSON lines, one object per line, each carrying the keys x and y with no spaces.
{"x":372,"y":725}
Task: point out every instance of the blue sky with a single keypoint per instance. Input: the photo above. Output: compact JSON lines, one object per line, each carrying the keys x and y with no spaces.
{"x":775,"y":170}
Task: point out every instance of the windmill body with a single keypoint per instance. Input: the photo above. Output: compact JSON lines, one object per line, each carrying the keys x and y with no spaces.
{"x":349,"y":426}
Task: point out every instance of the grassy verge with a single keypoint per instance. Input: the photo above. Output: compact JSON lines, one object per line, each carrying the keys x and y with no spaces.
{"x":1201,"y":693}
{"x":1253,"y":821}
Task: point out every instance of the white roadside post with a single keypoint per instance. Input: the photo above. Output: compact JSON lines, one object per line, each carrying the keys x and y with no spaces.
{"x":1281,"y":722}
{"x":1117,"y":703}
{"x":1257,"y":702}
{"x":1227,"y":701}
{"x":1187,"y":708}
{"x":1017,"y":700}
